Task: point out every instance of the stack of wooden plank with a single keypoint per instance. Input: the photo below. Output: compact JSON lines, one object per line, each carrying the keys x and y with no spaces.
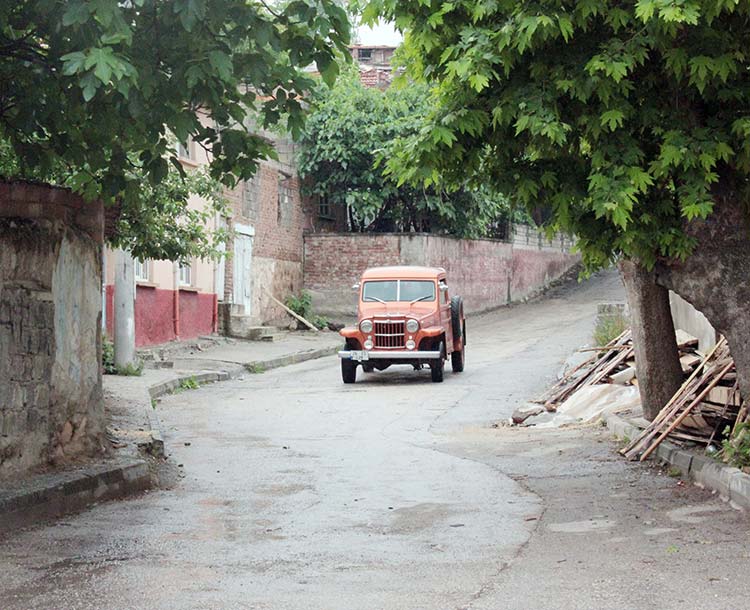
{"x":607,"y":361}
{"x":702,"y":408}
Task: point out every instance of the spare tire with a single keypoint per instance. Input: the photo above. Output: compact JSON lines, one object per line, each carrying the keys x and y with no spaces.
{"x":457,"y":310}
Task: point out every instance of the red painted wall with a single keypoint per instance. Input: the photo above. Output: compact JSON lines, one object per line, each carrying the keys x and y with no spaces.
{"x":154,"y":315}
{"x":196,"y":314}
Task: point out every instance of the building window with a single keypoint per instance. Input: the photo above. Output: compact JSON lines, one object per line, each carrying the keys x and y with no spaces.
{"x":251,"y":196}
{"x":142,"y":270}
{"x":324,"y":207}
{"x":186,"y":275}
{"x":284,"y":209}
{"x":364,"y":54}
{"x":186,"y":150}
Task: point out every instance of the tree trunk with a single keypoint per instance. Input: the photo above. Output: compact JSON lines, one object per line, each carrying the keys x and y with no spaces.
{"x":656,"y":354}
{"x":715,"y":278}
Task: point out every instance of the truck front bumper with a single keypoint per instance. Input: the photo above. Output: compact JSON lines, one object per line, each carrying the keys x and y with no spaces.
{"x":364,"y":355}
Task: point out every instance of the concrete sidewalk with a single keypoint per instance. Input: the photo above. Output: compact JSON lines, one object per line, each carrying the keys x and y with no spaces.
{"x":730,"y":483}
{"x":133,"y":428}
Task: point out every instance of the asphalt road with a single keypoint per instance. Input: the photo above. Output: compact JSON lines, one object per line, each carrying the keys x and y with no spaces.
{"x":395,"y":493}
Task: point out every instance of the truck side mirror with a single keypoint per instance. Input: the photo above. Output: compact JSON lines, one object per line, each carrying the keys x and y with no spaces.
{"x":355,"y":287}
{"x":443,"y":287}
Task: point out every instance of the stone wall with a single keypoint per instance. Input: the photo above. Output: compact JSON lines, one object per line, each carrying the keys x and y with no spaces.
{"x":486,"y":273}
{"x":50,"y":327}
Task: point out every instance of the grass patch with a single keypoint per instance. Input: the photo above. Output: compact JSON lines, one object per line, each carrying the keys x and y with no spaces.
{"x":189,"y":383}
{"x":255,"y":368}
{"x":736,"y":449}
{"x":130,"y":370}
{"x":608,"y":328}
{"x":108,"y":362}
{"x":675,"y":473}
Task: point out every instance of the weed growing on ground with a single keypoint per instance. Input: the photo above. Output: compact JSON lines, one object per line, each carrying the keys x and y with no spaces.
{"x":108,"y":357}
{"x":320,"y":322}
{"x":302,"y":306}
{"x":609,"y":328}
{"x":108,"y":362}
{"x":130,"y":370}
{"x":675,"y":473}
{"x":255,"y":368}
{"x":736,"y":448}
{"x":189,"y":383}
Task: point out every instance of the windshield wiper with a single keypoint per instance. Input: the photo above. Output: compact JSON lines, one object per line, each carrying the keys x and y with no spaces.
{"x":370,"y":298}
{"x":427,"y":296}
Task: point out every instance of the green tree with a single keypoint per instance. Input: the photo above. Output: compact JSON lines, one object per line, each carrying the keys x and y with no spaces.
{"x":626,"y":121}
{"x":350,"y":134}
{"x":158,"y":223}
{"x":100,"y":85}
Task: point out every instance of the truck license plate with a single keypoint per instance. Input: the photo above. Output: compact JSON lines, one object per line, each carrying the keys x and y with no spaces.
{"x":360,"y":355}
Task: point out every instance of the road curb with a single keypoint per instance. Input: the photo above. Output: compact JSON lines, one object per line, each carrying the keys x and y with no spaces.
{"x":50,"y":496}
{"x":729,"y":482}
{"x":295,"y":358}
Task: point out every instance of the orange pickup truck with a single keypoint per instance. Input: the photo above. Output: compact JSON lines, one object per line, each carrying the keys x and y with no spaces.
{"x":405,"y":316}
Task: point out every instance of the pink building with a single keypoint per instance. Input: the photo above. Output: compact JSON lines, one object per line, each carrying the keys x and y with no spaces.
{"x":172,"y":301}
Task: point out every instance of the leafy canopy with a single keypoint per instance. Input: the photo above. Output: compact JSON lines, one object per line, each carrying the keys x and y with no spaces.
{"x":100,"y":85}
{"x":350,"y":132}
{"x":158,"y":223}
{"x":622,"y":118}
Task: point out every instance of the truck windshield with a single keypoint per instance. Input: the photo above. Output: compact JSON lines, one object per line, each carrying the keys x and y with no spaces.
{"x":388,"y":291}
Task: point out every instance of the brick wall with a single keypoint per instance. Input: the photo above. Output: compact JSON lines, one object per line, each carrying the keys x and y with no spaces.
{"x":486,"y":273}
{"x":51,"y":405}
{"x":272,"y":204}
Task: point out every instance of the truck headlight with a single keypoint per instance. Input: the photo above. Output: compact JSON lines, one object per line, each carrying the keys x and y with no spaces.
{"x":365,"y":326}
{"x":368,"y":344}
{"x":412,"y":326}
{"x":410,"y":344}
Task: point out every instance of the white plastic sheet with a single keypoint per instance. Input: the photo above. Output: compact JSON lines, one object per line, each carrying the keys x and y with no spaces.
{"x":591,"y":402}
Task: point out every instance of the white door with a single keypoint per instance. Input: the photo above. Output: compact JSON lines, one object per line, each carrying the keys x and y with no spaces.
{"x":243,"y":253}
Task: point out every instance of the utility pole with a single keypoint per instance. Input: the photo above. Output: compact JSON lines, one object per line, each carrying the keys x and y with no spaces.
{"x":124,"y":309}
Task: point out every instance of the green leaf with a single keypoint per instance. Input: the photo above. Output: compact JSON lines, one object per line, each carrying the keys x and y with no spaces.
{"x":76,"y":14}
{"x":612,"y":119}
{"x":222,"y":63}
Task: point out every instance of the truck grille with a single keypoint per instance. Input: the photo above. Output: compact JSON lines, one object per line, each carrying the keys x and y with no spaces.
{"x":389,"y":334}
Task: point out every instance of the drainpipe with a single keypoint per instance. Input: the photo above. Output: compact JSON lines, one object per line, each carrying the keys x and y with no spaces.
{"x":176,"y":299}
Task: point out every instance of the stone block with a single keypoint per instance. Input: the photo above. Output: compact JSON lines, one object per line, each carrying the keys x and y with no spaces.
{"x":682,"y":460}
{"x":714,"y":476}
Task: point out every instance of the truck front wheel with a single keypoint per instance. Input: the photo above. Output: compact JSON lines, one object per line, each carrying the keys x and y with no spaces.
{"x":437,"y":367}
{"x":348,"y":371}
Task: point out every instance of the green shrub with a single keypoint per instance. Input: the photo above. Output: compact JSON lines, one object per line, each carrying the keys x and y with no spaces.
{"x":320,"y":322}
{"x":301,"y":305}
{"x":736,"y":449}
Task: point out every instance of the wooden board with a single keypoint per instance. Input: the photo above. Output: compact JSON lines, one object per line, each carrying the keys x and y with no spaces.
{"x":723,"y":395}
